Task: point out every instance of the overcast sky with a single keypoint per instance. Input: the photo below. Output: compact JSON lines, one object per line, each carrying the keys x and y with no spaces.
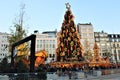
{"x":47,"y":15}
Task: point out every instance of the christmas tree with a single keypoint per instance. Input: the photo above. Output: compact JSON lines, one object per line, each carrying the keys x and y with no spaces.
{"x":69,"y":46}
{"x":96,"y":57}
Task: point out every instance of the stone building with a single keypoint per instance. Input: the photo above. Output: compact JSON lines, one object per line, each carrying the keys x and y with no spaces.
{"x":4,"y":50}
{"x":102,"y":40}
{"x":47,"y":41}
{"x":86,"y":32}
{"x":115,"y":46}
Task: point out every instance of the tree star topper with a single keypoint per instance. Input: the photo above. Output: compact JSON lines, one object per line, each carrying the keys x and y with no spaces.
{"x":68,"y":6}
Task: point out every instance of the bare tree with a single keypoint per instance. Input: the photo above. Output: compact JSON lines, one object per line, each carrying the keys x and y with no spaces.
{"x":18,"y":33}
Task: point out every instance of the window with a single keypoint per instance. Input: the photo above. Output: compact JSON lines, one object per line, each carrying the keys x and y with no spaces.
{"x":119,"y":51}
{"x":97,"y":39}
{"x":84,"y":35}
{"x":43,"y":41}
{"x":40,"y":41}
{"x":50,"y":55}
{"x":113,"y":45}
{"x":102,"y":44}
{"x":114,"y":51}
{"x":109,"y":36}
{"x":46,"y":45}
{"x":108,"y":44}
{"x":107,"y":39}
{"x":117,"y":45}
{"x":53,"y":55}
{"x":110,"y":40}
{"x":90,"y":29}
{"x":37,"y":45}
{"x":116,"y":40}
{"x":113,"y":40}
{"x":40,"y":45}
{"x":53,"y":45}
{"x":50,"y":45}
{"x":103,"y":54}
{"x":102,"y":39}
{"x":84,"y":29}
{"x":114,"y":36}
{"x":37,"y":41}
{"x":91,"y":35}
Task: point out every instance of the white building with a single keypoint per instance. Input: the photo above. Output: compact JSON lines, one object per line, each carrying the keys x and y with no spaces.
{"x":86,"y":33}
{"x":114,"y":40}
{"x":4,"y":50}
{"x":47,"y":41}
{"x":102,"y":40}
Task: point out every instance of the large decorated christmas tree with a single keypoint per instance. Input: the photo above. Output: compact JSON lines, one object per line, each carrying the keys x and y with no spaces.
{"x":69,"y":46}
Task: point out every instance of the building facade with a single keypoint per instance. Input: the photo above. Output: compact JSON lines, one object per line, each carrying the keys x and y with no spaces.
{"x":47,"y":41}
{"x":86,"y":33}
{"x":115,"y":47}
{"x":102,"y":40}
{"x":109,"y":44}
{"x":4,"y":50}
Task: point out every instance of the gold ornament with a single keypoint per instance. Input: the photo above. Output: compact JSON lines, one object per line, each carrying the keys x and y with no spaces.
{"x":62,"y":54}
{"x":69,"y":38}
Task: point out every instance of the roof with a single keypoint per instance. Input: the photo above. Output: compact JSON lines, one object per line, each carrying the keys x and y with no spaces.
{"x":84,"y":24}
{"x":47,"y":32}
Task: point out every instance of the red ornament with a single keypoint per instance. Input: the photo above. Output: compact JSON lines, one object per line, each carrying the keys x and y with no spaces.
{"x":75,"y":47}
{"x":68,"y":52}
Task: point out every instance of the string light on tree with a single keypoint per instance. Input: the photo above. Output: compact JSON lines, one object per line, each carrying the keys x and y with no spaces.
{"x":69,"y":47}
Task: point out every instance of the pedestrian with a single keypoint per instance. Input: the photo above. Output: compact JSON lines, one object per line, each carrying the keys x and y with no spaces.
{"x":70,"y":74}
